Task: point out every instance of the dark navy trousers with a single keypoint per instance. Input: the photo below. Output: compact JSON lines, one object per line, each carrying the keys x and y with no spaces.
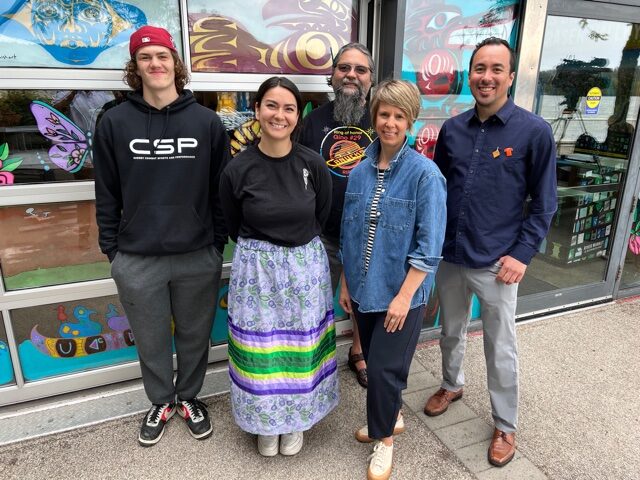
{"x":388,"y":357}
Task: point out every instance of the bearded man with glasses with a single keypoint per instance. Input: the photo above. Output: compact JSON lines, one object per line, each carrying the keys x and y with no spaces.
{"x":340,"y":131}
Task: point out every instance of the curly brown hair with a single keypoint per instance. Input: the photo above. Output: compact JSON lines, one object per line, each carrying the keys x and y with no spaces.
{"x":134,"y":81}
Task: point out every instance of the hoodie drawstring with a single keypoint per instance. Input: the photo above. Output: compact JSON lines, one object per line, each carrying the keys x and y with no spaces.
{"x":164,"y":127}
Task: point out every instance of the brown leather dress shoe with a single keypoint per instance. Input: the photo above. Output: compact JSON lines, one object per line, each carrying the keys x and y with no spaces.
{"x":502,"y":448}
{"x":440,"y":401}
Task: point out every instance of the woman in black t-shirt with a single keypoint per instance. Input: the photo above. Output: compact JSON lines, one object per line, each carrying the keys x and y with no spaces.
{"x":275,"y":196}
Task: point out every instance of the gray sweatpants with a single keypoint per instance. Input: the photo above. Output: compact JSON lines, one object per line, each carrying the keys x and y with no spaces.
{"x":152,"y":289}
{"x":455,"y":285}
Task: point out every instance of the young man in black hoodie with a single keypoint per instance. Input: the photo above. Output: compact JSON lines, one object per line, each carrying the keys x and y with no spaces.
{"x":157,"y":160}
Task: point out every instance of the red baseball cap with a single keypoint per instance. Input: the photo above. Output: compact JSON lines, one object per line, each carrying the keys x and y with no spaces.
{"x":149,"y":35}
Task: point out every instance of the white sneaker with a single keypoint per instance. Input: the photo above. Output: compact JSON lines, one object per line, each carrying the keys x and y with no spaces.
{"x":381,"y":461}
{"x":362,"y":435}
{"x":268,"y":445}
{"x":291,"y":443}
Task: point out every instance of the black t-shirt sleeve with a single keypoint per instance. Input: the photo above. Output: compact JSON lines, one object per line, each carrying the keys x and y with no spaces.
{"x":231,"y":205}
{"x":220,"y":154}
{"x":323,"y":192}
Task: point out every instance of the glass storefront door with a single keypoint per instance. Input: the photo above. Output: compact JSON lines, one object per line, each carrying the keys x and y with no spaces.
{"x":631,"y":271}
{"x":588,"y":89}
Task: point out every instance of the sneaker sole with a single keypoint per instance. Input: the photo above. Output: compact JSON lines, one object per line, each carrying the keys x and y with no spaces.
{"x":272,"y":452}
{"x":292,"y":449}
{"x":201,"y":436}
{"x":363,"y":439}
{"x":197,"y":436}
{"x":151,"y":443}
{"x":385,"y":476}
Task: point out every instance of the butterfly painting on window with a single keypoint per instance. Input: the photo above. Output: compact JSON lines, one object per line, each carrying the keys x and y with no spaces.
{"x":71,"y":145}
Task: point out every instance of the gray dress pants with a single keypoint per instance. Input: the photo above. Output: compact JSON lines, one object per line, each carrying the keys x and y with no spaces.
{"x":455,"y":285}
{"x":152,"y":290}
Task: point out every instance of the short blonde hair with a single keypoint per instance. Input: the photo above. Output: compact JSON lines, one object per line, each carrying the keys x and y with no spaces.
{"x":397,"y":93}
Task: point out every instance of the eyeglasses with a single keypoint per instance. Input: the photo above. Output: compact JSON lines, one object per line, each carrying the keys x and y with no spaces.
{"x":347,"y":67}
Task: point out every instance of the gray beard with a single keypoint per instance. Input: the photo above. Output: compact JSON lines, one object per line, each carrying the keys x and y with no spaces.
{"x":348,"y":109}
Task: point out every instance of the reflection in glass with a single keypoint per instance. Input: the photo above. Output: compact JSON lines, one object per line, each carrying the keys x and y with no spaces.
{"x":50,"y":244}
{"x":631,"y":271}
{"x":269,"y":36}
{"x":588,"y":92}
{"x":439,"y":38}
{"x":236,"y":110}
{"x":6,"y":367}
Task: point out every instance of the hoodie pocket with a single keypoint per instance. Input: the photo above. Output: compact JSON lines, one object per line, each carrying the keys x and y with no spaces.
{"x":158,"y":229}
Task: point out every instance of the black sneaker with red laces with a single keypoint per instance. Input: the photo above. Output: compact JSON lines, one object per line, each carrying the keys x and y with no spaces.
{"x":195,"y":414}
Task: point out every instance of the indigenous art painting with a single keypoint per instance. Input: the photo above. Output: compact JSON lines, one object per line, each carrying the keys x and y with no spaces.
{"x":77,"y":33}
{"x":439,"y":37}
{"x":7,"y":165}
{"x":70,"y":144}
{"x":73,"y":336}
{"x":274,"y":36}
{"x":6,"y":367}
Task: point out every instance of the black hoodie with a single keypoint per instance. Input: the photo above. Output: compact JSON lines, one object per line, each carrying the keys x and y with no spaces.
{"x":157,"y":177}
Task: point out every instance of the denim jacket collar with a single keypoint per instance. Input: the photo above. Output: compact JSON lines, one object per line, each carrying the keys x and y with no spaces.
{"x":372,"y":153}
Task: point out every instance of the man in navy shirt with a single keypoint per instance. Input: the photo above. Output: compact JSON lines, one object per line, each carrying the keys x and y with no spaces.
{"x":494,"y":157}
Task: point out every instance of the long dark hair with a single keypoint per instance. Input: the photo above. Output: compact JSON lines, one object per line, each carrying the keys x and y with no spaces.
{"x":287,"y":84}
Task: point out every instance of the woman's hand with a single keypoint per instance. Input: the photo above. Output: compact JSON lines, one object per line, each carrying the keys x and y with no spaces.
{"x":397,"y":313}
{"x":344,"y":299}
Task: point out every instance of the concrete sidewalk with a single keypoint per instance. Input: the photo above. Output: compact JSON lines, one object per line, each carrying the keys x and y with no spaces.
{"x":579,"y":419}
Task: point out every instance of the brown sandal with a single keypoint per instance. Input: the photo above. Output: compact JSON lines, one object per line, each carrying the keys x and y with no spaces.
{"x":361,"y":374}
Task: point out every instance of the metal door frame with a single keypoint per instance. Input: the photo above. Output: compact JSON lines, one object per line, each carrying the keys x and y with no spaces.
{"x":531,"y":42}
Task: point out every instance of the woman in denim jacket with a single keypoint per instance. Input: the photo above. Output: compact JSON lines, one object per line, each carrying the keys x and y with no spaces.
{"x":392,"y":232}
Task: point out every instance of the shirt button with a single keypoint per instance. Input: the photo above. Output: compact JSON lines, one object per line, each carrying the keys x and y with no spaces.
{"x":383,"y":190}
{"x":462,"y":214}
{"x":476,"y":150}
{"x":377,"y":214}
{"x":470,"y":171}
{"x":482,"y":130}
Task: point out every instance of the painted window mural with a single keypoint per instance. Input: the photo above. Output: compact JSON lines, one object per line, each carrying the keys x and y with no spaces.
{"x":272,"y":36}
{"x":77,"y":34}
{"x":45,"y":135}
{"x":439,"y":37}
{"x":6,"y":367}
{"x":50,"y":244}
{"x":67,"y":337}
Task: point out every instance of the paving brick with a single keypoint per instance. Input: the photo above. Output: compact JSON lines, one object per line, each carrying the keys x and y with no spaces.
{"x":474,"y":456}
{"x":521,"y":469}
{"x":420,"y":381}
{"x":416,"y":366}
{"x":464,"y":433}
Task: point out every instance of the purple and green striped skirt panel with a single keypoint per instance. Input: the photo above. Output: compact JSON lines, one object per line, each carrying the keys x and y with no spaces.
{"x":282,"y":351}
